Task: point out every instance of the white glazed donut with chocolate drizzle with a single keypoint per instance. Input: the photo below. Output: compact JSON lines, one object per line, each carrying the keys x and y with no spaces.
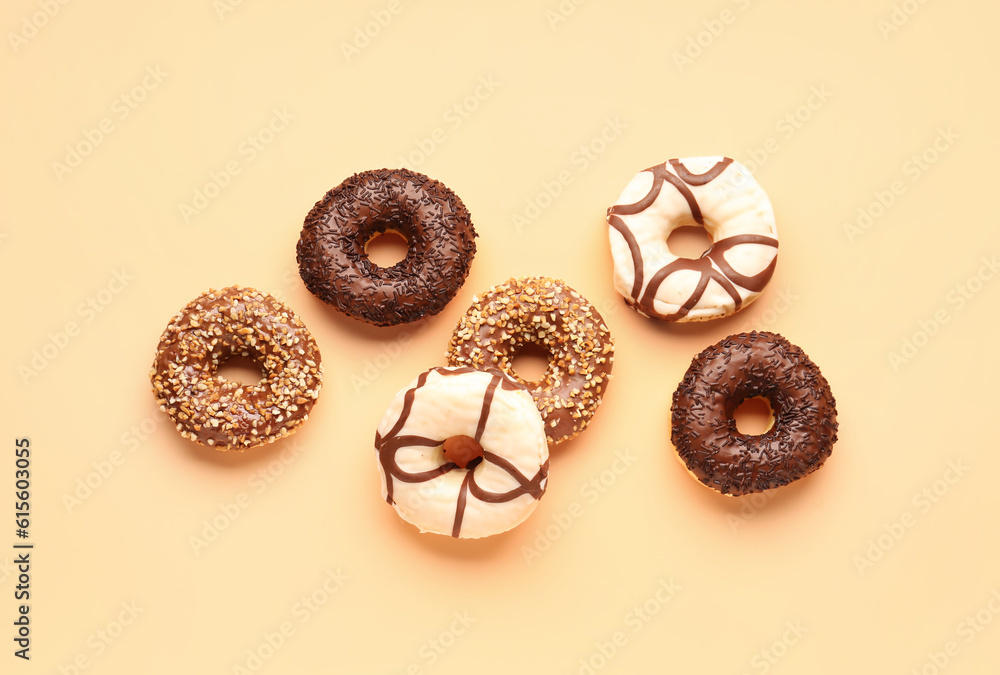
{"x":715,"y":192}
{"x":462,"y":452}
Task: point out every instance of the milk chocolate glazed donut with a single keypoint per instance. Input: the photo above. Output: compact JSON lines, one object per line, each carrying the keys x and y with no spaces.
{"x":227,"y":415}
{"x":550,"y":314}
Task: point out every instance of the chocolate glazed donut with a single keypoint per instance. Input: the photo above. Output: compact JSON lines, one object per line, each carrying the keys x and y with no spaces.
{"x":332,"y":256}
{"x":729,"y":372}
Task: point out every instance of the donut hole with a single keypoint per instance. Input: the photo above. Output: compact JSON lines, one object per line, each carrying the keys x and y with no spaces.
{"x":464,"y":451}
{"x":242,"y":370}
{"x":754,"y":416}
{"x":689,"y":241}
{"x":530,"y":362}
{"x":387,"y":248}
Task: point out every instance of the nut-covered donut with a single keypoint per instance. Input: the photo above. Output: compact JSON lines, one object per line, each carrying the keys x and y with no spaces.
{"x":555,"y":317}
{"x":731,"y":371}
{"x":462,"y":452}
{"x":332,"y":249}
{"x":236,"y":322}
{"x":715,"y":192}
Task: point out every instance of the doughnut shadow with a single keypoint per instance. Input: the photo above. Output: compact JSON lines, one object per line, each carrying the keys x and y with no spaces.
{"x":486,"y":549}
{"x":365,"y":331}
{"x":740,"y":510}
{"x":230,"y":459}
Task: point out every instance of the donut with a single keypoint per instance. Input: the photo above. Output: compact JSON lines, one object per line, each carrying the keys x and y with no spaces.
{"x":236,"y":322}
{"x":715,"y":192}
{"x":550,"y":314}
{"x":731,"y":371}
{"x":335,"y":266}
{"x":462,"y":452}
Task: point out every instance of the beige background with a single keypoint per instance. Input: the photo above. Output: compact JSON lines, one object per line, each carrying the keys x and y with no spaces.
{"x":883,"y":561}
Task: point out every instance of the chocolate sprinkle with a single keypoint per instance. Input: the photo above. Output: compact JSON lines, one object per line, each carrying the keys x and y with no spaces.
{"x":434,"y":221}
{"x":731,"y":371}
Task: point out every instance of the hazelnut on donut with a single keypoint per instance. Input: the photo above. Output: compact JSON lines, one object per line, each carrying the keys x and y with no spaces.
{"x":548,"y":313}
{"x":236,"y":322}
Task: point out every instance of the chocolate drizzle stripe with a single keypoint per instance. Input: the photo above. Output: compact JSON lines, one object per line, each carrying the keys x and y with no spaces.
{"x":700,"y":178}
{"x":645,"y":202}
{"x":392,"y":442}
{"x":681,"y":180}
{"x":692,"y":300}
{"x":633,"y":248}
{"x":755,"y":283}
{"x":531,"y":487}
{"x":484,"y":414}
{"x":708,"y":272}
{"x":460,"y":506}
{"x":684,"y":190}
{"x":408,"y":404}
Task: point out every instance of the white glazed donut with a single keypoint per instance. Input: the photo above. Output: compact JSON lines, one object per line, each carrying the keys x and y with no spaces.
{"x":462,"y":452}
{"x":715,"y":192}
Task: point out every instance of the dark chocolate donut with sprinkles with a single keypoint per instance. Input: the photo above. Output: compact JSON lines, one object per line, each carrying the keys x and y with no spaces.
{"x":332,"y":249}
{"x":740,"y":367}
